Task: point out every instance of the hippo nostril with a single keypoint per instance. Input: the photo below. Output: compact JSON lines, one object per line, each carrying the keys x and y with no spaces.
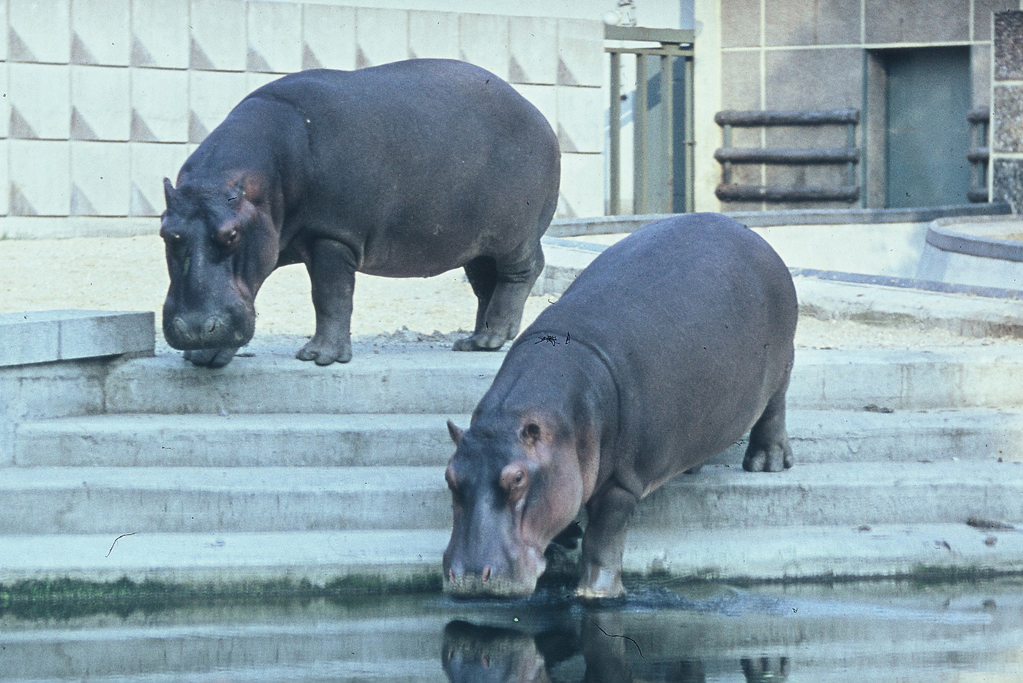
{"x":451,"y":575}
{"x":180,"y":326}
{"x":486,"y":572}
{"x":211,"y":324}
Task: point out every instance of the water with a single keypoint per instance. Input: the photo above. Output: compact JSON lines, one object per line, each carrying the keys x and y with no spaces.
{"x":693,"y":633}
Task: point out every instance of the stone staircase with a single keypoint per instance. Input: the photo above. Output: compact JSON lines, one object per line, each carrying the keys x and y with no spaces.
{"x":270,"y":468}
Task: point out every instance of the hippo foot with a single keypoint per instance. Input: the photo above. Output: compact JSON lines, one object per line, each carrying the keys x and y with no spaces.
{"x":487,"y":341}
{"x":771,"y":458}
{"x":600,"y":583}
{"x":325,"y":353}
{"x":210,"y":358}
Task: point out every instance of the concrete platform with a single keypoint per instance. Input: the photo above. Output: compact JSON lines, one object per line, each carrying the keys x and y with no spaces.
{"x":366,"y":440}
{"x":47,"y":336}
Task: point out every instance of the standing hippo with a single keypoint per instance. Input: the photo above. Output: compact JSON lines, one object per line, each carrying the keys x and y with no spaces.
{"x":662,"y":353}
{"x":403,"y":170}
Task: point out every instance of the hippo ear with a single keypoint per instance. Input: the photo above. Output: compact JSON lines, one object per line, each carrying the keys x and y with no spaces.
{"x":168,"y":191}
{"x":455,"y":432}
{"x":530,"y":433}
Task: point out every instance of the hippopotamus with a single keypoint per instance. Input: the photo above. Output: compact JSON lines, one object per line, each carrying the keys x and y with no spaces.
{"x":407,"y":169}
{"x":664,"y":351}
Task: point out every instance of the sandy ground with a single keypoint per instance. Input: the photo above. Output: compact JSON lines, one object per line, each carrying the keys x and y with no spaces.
{"x":129,"y":273}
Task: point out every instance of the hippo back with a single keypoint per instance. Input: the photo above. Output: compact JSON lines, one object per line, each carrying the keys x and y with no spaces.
{"x":695,"y":315}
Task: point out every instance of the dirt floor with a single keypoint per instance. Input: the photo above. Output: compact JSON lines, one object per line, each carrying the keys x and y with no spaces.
{"x":129,"y":273}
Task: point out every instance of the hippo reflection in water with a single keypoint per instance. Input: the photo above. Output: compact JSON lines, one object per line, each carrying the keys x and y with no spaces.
{"x":486,"y":654}
{"x":407,"y":169}
{"x":662,"y":353}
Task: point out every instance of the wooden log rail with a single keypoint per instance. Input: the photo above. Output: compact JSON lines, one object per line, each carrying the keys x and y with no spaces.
{"x":728,"y":155}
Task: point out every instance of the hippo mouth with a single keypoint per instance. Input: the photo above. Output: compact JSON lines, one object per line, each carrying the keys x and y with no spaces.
{"x":489,"y":584}
{"x":216,"y":331}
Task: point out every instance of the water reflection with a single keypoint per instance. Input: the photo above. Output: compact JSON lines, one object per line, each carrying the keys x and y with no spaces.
{"x":873,"y":631}
{"x":506,"y":655}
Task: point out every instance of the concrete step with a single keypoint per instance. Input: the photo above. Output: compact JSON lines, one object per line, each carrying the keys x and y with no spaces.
{"x":782,"y":552}
{"x":437,"y":381}
{"x":849,"y":494}
{"x":119,"y":500}
{"x":329,"y":440}
{"x":241,"y":440}
{"x":393,"y":381}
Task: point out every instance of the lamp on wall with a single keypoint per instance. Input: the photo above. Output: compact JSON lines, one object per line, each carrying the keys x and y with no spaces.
{"x":623,"y":15}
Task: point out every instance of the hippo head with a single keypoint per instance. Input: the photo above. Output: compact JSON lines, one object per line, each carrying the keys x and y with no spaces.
{"x":476,"y":654}
{"x":221,"y":245}
{"x":515,"y":484}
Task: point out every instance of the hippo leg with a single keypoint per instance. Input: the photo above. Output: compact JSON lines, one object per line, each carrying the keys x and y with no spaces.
{"x":609,"y":512}
{"x":332,"y":273}
{"x":211,"y":358}
{"x":769,"y":449}
{"x":501,"y":290}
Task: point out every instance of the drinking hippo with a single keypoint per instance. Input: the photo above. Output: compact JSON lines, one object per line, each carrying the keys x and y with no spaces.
{"x":408,"y":169}
{"x":662,"y":353}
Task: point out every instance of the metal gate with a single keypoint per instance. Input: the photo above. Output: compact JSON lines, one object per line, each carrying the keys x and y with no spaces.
{"x":674,"y":53}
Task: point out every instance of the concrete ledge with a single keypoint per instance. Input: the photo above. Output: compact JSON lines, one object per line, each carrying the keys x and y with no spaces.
{"x":48,"y":336}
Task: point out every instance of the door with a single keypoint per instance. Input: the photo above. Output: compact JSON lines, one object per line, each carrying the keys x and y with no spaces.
{"x":927,"y":95}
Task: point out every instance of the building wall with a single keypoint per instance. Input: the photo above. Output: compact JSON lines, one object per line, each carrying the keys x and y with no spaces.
{"x":106,"y":97}
{"x":810,"y":54}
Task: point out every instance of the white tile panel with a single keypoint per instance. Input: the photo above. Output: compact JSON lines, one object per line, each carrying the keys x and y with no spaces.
{"x":100,"y":103}
{"x":483,"y":41}
{"x":100,"y":32}
{"x":159,"y":33}
{"x":381,"y":36}
{"x":218,"y":36}
{"x":32,"y":40}
{"x":40,"y":97}
{"x":150,"y":164}
{"x":100,"y":184}
{"x":433,"y":35}
{"x":532,"y":44}
{"x":328,"y":37}
{"x":275,"y":37}
{"x":580,"y":52}
{"x":544,"y":98}
{"x":159,"y":105}
{"x":212,"y":95}
{"x":582,"y":186}
{"x":581,"y":119}
{"x":40,"y":178}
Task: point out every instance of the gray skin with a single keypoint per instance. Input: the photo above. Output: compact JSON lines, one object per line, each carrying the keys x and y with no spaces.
{"x":670,"y":346}
{"x":408,"y":169}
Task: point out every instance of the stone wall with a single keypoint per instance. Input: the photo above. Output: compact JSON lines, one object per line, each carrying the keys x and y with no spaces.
{"x":1007,"y":110}
{"x":106,"y":97}
{"x":816,"y":54}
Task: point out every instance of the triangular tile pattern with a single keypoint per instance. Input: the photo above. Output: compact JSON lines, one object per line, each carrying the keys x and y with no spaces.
{"x":20,"y":206}
{"x":565,"y":140}
{"x":256,"y":62}
{"x":197,"y":132}
{"x":309,"y":59}
{"x":80,"y":204}
{"x":80,"y":128}
{"x":516,"y":74}
{"x":361,"y":60}
{"x":198,"y":59}
{"x":565,"y":209}
{"x":140,"y":131}
{"x":17,"y":50}
{"x":20,"y":128}
{"x":565,"y":75}
{"x":79,"y":53}
{"x":139,"y":205}
{"x":140,"y":56}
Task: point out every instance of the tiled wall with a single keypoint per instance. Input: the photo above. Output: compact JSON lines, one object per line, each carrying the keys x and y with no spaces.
{"x":809,"y":54}
{"x":106,"y":97}
{"x":1007,"y":110}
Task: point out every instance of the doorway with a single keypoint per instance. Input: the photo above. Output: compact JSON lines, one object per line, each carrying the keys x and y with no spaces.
{"x":928,"y":93}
